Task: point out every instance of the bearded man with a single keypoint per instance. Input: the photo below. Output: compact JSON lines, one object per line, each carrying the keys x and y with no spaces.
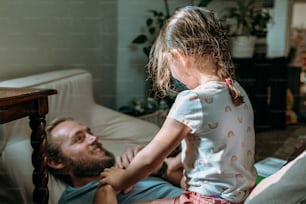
{"x":76,"y":157}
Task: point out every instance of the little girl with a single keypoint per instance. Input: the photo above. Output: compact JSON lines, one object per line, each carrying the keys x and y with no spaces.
{"x":213,"y":119}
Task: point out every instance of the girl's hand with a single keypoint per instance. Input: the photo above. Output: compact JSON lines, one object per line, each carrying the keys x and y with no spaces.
{"x":125,"y":159}
{"x":113,"y":177}
{"x":105,"y":194}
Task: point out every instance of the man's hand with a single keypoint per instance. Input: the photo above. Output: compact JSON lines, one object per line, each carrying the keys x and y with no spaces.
{"x":174,"y":171}
{"x":125,"y":159}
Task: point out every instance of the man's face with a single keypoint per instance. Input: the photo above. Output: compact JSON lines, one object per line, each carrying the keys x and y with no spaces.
{"x":82,"y":154}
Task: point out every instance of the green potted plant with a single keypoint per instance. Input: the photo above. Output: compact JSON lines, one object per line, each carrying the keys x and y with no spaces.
{"x":154,"y":22}
{"x":260,"y":21}
{"x":245,"y":21}
{"x":260,"y":30}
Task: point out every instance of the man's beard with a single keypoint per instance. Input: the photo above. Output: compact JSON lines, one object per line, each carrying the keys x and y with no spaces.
{"x":90,"y":167}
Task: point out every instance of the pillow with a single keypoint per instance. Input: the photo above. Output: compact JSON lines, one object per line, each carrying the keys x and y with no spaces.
{"x":16,"y":175}
{"x":285,"y":186}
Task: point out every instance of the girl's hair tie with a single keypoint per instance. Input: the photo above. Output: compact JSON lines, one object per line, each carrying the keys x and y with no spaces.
{"x":229,"y":82}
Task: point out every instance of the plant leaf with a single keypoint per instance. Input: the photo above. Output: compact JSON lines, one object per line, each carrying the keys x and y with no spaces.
{"x":160,"y":14}
{"x":146,"y":50}
{"x":140,"y":39}
{"x":149,"y":21}
{"x":154,"y":12}
{"x":204,"y":3}
{"x":152,"y":30}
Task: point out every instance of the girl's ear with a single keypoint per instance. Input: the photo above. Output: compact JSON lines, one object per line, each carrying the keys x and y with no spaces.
{"x":179,"y":56}
{"x":55,"y":163}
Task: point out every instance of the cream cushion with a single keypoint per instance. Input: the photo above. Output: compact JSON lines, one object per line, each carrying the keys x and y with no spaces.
{"x":285,"y":186}
{"x":117,"y":131}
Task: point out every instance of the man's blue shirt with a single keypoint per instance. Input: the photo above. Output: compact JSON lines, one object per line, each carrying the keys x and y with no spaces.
{"x":150,"y":188}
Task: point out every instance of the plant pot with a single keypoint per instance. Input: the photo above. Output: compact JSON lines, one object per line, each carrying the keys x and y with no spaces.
{"x":242,"y":46}
{"x":261,"y":48}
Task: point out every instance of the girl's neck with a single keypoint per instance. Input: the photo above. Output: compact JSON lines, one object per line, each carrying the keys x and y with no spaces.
{"x":207,"y":78}
{"x":206,"y":70}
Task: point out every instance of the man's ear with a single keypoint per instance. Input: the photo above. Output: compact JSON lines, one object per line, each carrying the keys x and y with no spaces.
{"x":55,"y":163}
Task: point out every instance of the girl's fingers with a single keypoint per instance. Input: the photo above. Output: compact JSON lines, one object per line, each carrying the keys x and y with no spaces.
{"x":102,"y":182}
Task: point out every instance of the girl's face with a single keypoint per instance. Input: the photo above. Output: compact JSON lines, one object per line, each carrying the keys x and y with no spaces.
{"x":181,"y":69}
{"x":177,"y":68}
{"x":175,"y":72}
{"x":178,"y":73}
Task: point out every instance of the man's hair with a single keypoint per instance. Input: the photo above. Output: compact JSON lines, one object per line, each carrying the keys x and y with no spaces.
{"x":54,"y":152}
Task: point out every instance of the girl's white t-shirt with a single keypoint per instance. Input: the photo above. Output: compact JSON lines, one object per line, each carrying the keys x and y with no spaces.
{"x":218,"y":154}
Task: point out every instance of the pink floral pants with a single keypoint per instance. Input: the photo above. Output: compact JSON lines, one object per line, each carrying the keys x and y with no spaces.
{"x":192,"y":198}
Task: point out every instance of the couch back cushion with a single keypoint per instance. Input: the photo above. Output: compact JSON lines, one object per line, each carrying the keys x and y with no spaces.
{"x":74,"y":88}
{"x":117,"y":131}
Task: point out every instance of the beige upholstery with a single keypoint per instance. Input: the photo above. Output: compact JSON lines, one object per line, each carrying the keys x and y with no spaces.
{"x":75,"y":98}
{"x":285,"y":186}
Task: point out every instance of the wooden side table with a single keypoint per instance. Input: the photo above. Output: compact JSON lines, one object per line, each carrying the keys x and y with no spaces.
{"x":17,"y":103}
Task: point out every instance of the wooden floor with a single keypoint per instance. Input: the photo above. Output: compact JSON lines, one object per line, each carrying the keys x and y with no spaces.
{"x":303,"y":99}
{"x":279,"y":143}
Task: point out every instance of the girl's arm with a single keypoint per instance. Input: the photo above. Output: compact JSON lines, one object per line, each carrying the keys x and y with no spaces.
{"x":106,"y":195}
{"x":149,"y":158}
{"x":171,"y":169}
{"x":125,"y":159}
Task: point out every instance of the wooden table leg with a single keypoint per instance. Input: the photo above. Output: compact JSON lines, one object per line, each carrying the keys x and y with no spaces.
{"x":17,"y":103}
{"x":40,"y":172}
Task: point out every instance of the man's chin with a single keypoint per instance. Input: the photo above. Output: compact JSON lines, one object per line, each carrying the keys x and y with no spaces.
{"x":98,"y":152}
{"x":93,"y":168}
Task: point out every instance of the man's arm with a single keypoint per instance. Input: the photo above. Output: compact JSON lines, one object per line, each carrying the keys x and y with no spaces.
{"x":174,"y":173}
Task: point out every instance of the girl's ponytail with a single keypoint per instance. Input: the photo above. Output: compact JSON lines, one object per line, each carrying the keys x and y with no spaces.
{"x":234,"y":92}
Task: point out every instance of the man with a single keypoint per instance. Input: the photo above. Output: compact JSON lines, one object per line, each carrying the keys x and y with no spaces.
{"x":76,"y":157}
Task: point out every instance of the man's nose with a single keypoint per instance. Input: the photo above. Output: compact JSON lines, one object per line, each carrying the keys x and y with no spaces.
{"x":91,"y":138}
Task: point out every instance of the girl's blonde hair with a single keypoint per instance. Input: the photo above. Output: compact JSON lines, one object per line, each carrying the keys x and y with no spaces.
{"x":193,"y":31}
